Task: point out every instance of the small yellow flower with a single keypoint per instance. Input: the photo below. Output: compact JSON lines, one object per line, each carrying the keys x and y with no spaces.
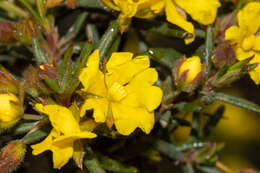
{"x":10,"y":110}
{"x":190,"y":68}
{"x":65,"y":132}
{"x":244,"y":37}
{"x":203,"y":11}
{"x":124,"y":95}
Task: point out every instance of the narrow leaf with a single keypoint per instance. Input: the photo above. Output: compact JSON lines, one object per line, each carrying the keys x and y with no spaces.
{"x":240,"y":102}
{"x":169,"y":149}
{"x":115,"y":166}
{"x":107,"y":40}
{"x":38,"y":52}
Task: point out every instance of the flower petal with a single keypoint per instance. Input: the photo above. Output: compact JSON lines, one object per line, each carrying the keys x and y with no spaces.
{"x":73,"y":137}
{"x":127,"y":119}
{"x":61,"y":118}
{"x":176,"y":18}
{"x":117,"y":59}
{"x":46,"y":144}
{"x":141,"y":93}
{"x":234,"y":35}
{"x":91,"y":77}
{"x":125,"y":72}
{"x":255,"y":74}
{"x":257,"y":44}
{"x":248,"y":18}
{"x":62,"y":154}
{"x":100,"y":107}
{"x":203,"y":11}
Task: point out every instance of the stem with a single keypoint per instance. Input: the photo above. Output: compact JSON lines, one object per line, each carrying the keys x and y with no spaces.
{"x":13,"y":9}
{"x":31,"y":117}
{"x":223,"y":167}
{"x":32,"y":11}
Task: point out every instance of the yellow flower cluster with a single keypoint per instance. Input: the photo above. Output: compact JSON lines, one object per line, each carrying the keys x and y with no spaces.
{"x":202,"y":11}
{"x":245,"y":38}
{"x":123,"y":95}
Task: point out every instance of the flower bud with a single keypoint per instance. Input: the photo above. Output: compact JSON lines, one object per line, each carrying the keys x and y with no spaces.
{"x":11,"y":156}
{"x":10,"y":110}
{"x":26,"y":30}
{"x":188,"y":73}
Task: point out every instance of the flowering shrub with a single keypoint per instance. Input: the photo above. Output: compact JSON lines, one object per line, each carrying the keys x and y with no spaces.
{"x":92,"y":81}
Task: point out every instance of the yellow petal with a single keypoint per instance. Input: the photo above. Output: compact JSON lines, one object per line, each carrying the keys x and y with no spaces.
{"x":127,"y":119}
{"x":141,"y":93}
{"x":176,"y":18}
{"x":71,"y":138}
{"x":257,"y":44}
{"x":100,"y":107}
{"x":117,"y":59}
{"x":128,"y":8}
{"x":255,"y":74}
{"x":125,"y":72}
{"x":61,"y":118}
{"x":46,"y":144}
{"x":234,"y":35}
{"x":91,"y":77}
{"x":242,"y":55}
{"x":203,"y":11}
{"x":150,"y":8}
{"x":248,"y":18}
{"x":62,"y":153}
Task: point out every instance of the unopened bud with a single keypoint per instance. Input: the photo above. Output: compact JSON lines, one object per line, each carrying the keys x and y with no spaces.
{"x":10,"y":110}
{"x":11,"y":156}
{"x":188,"y":73}
{"x":7,"y":82}
{"x":26,"y":30}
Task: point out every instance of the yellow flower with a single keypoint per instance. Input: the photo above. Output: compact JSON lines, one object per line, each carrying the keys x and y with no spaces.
{"x":10,"y":110}
{"x":65,"y":132}
{"x":203,"y":11}
{"x":124,"y":95}
{"x":190,"y":68}
{"x":244,"y":37}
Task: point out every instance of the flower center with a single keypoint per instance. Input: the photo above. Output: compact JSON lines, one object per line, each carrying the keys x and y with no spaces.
{"x":116,"y":92}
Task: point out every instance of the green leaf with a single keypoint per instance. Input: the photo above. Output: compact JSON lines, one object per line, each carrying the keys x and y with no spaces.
{"x":240,"y":102}
{"x":196,"y":125}
{"x":93,"y":34}
{"x":52,"y":84}
{"x":107,"y":40}
{"x":93,"y":165}
{"x":191,"y":145}
{"x":115,"y":166}
{"x":82,"y":60}
{"x":168,"y":149}
{"x":23,"y":127}
{"x":188,"y":168}
{"x":35,"y":136}
{"x":32,"y":11}
{"x":208,"y":50}
{"x":207,"y":169}
{"x":163,"y":28}
{"x":38,"y":52}
{"x":91,"y":4}
{"x":65,"y":69}
{"x":165,"y":56}
{"x":187,"y":107}
{"x":75,"y":28}
{"x":213,"y":121}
